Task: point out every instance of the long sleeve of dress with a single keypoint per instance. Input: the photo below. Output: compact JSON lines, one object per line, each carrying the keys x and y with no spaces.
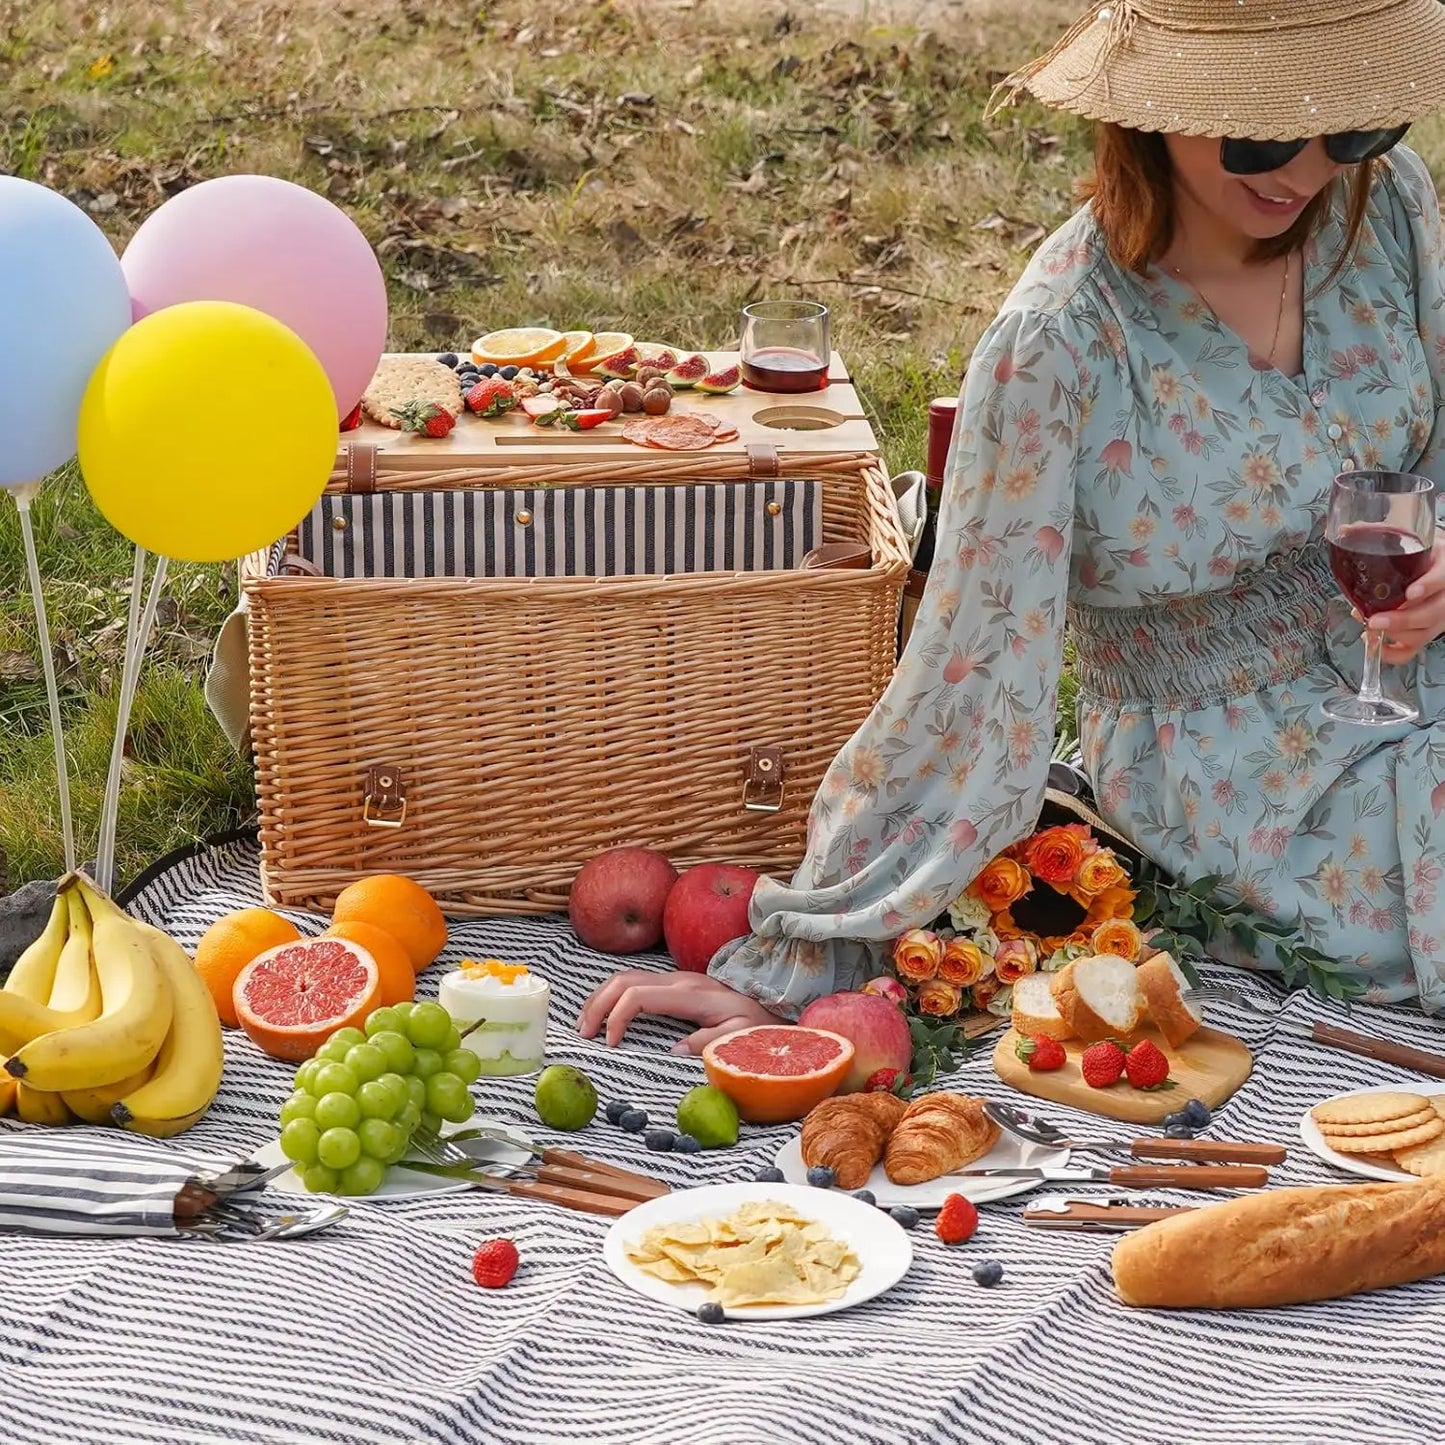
{"x":950,"y":766}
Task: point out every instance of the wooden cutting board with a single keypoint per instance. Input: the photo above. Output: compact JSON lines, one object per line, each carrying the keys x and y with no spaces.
{"x":1210,"y":1067}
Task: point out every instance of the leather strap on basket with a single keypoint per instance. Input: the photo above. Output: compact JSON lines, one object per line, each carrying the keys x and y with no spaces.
{"x":763,"y":460}
{"x":383,"y":802}
{"x":295,"y":562}
{"x":361,"y":469}
{"x":763,"y":780}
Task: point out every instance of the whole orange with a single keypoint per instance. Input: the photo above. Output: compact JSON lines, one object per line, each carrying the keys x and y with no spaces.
{"x":398,"y":977}
{"x":400,"y":907}
{"x":230,"y":943}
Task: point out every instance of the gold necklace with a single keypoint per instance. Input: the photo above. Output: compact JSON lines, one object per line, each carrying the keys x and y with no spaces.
{"x":1279,"y":318}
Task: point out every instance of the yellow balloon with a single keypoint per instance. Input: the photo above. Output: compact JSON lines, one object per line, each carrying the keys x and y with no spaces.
{"x":208,"y":431}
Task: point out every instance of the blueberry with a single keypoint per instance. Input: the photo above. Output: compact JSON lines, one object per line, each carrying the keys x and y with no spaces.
{"x":988,"y":1274}
{"x":1178,"y":1131}
{"x":710,"y":1312}
{"x":659,"y":1140}
{"x":685,"y":1144}
{"x":1172,"y":1121}
{"x":488,"y":369}
{"x":1197,"y":1115}
{"x":821,"y":1177}
{"x":864,"y":1196}
{"x":508,"y":373}
{"x":615,"y":1111}
{"x":634,"y":1121}
{"x":450,"y":359}
{"x":904,"y":1215}
{"x":770,"y":1175}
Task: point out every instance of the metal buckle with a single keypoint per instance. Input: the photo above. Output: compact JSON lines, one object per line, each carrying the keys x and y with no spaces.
{"x":385,"y":793}
{"x":763,"y":779}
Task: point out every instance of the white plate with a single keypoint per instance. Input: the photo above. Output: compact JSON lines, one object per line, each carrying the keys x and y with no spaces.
{"x":883,"y":1250}
{"x":1314,"y":1141}
{"x":1008,"y":1153}
{"x":404,"y":1183}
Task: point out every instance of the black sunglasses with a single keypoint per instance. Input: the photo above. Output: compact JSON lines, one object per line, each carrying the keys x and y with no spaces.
{"x":1345,"y":148}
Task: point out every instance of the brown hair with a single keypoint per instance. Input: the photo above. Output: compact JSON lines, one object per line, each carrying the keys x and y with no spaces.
{"x":1131,"y":190}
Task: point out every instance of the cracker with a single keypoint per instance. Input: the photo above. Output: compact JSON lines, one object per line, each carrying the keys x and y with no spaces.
{"x":403,"y":379}
{"x":1367,"y":1108}
{"x":1390,"y":1126}
{"x":1425,"y":1159}
{"x":1387,"y":1143}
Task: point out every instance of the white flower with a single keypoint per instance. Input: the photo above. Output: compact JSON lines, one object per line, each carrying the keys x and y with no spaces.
{"x":987,"y":941}
{"x":967,"y":914}
{"x":1001,"y":1004}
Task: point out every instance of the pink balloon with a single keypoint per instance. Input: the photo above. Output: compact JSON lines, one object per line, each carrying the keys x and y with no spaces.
{"x":279,"y":248}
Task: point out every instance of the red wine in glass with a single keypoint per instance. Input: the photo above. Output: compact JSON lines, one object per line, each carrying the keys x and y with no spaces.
{"x":1374,"y":565}
{"x":784,"y":369}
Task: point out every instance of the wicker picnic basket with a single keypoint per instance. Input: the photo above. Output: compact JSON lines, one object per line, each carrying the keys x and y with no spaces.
{"x":488,"y":735}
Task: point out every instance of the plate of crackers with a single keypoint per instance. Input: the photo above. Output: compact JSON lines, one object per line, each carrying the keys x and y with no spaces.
{"x":1379,"y":1133}
{"x":758,"y":1251}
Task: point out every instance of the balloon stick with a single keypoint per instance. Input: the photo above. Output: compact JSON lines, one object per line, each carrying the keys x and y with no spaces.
{"x":23,"y":496}
{"x":136,"y":637}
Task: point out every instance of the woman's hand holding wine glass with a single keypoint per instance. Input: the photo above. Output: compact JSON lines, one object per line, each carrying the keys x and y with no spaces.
{"x":1409,"y":628}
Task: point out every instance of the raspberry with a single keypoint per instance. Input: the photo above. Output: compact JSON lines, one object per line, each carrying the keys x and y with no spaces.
{"x":1147,"y":1067}
{"x":957,"y":1220}
{"x":1042,"y":1054}
{"x":494,"y":1264}
{"x":1102,"y":1064}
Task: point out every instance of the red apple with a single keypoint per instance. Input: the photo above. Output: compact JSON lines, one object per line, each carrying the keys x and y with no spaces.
{"x":708,"y":908}
{"x":617,"y":899}
{"x":873,"y":1024}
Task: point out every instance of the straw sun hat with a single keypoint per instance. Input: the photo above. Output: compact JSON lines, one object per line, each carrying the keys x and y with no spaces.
{"x":1255,"y":69}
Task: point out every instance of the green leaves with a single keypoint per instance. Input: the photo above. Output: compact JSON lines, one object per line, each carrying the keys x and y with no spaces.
{"x":1187,"y":919}
{"x":938,"y":1048}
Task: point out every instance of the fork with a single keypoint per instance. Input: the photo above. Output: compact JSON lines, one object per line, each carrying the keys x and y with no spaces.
{"x":1220,"y":993}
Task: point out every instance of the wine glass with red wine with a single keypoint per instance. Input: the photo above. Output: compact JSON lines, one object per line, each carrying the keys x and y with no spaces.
{"x":785,"y":346}
{"x":1380,"y":532}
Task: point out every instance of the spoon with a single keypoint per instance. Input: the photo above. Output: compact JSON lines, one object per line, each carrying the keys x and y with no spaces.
{"x":1036,"y":1130}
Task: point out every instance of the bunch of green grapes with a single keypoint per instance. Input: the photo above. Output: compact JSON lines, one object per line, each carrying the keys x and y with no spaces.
{"x":358,"y":1101}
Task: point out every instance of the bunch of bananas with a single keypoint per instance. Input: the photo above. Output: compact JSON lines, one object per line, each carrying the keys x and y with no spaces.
{"x":104,"y":1018}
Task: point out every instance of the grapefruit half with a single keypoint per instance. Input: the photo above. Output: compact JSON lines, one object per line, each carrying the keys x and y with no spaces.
{"x":293,"y":997}
{"x":775,"y":1073}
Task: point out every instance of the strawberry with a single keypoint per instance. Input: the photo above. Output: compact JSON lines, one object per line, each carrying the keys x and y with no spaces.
{"x":887,"y":1081}
{"x":1102,"y":1064}
{"x":494,"y":1264}
{"x":1042,"y":1054}
{"x":587,"y":418}
{"x":1147,"y":1068}
{"x":425,"y":418}
{"x":537,"y":407}
{"x":353,"y":418}
{"x":956,"y":1221}
{"x":491,"y":396}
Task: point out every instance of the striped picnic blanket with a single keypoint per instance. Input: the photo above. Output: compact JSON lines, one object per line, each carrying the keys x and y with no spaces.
{"x":375,"y":1331}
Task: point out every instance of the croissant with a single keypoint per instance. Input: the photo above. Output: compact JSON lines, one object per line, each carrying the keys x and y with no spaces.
{"x":847,"y":1134}
{"x":937,"y":1134}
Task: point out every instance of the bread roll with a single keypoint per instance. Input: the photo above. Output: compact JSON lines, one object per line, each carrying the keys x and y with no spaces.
{"x":1161,"y":981}
{"x":1098,"y":997}
{"x":1285,"y":1247}
{"x":1035,"y":1012}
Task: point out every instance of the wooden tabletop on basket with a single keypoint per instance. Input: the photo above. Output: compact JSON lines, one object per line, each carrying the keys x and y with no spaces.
{"x":828,"y":421}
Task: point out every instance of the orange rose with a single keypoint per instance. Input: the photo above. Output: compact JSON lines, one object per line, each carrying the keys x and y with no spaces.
{"x":1118,"y":936}
{"x":940,"y":999}
{"x":1001,"y":884}
{"x":1097,"y":872}
{"x":1014,"y":959}
{"x":917,"y":954}
{"x":984,"y":991}
{"x":963,"y":963}
{"x":1115,"y":902}
{"x":1054,"y":856}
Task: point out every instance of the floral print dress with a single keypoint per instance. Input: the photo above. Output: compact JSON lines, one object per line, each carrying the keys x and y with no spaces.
{"x":1122,"y":466}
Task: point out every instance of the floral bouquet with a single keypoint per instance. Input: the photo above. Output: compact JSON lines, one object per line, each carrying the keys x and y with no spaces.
{"x":1049,"y":899}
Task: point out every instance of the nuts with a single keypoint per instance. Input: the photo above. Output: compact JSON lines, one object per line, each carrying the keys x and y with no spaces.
{"x":631,"y":395}
{"x":609,"y":399}
{"x":648,"y":374}
{"x":656,"y":401}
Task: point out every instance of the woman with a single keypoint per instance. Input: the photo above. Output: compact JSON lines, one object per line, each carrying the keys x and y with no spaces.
{"x":1252,"y":302}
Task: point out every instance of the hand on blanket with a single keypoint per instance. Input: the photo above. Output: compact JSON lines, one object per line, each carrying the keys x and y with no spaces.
{"x":1410,"y":628}
{"x":695,"y":997}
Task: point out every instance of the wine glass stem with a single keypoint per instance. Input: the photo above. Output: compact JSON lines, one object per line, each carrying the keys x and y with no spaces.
{"x":1370,"y":679}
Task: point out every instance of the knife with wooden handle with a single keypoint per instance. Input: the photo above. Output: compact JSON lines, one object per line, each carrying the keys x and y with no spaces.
{"x":1382,"y":1050}
{"x":1098,"y":1218}
{"x":1156,"y":1176}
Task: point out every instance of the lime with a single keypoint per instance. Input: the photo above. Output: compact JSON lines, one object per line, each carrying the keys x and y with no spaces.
{"x":709,"y":1116}
{"x":565,"y":1098}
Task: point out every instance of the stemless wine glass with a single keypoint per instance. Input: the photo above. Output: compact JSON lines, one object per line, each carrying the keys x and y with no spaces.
{"x":785,"y":346}
{"x":1380,"y":532}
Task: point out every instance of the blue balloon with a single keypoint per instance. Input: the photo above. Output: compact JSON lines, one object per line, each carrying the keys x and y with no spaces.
{"x":63,"y":304}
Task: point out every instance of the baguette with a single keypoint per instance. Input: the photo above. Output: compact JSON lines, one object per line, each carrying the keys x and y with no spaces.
{"x":1161,"y":981}
{"x":1098,"y":997}
{"x":1285,"y":1247}
{"x":1035,"y":1013}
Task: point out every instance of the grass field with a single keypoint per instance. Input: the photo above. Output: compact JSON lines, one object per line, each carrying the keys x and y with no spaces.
{"x":630,"y":165}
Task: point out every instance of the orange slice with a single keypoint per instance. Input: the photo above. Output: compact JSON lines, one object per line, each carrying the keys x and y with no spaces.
{"x":604,"y":344}
{"x":580,"y":345}
{"x":519,"y":346}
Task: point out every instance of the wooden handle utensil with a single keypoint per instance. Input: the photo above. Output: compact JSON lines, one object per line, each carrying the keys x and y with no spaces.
{"x":1382,"y":1050}
{"x":1208,"y":1150}
{"x":1190,"y":1176}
